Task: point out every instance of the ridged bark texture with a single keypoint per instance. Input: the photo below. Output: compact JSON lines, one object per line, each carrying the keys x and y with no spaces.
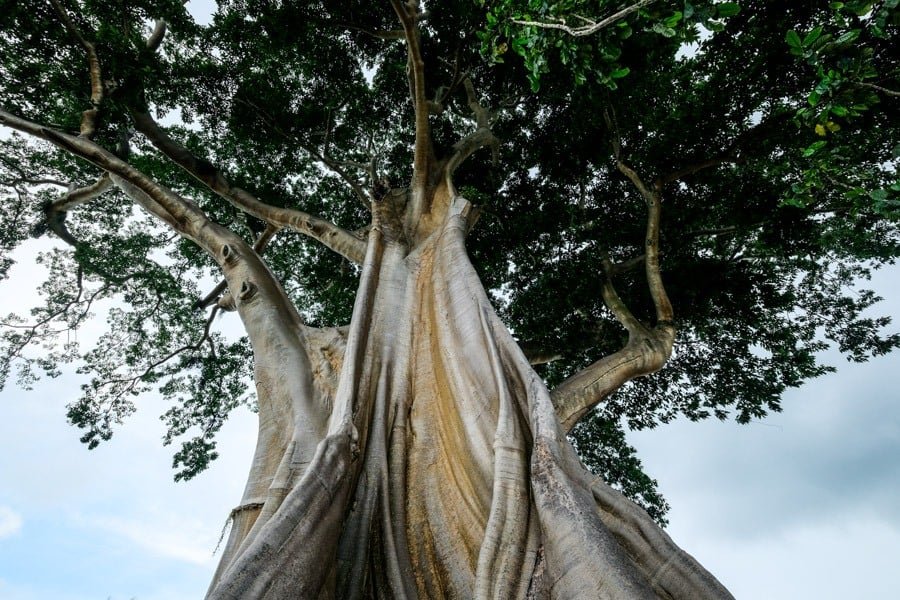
{"x":444,"y":471}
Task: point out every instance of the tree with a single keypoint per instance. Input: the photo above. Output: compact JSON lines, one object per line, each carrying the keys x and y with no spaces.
{"x":416,"y":451}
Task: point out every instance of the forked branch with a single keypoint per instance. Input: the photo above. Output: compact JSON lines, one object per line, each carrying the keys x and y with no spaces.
{"x":482,"y":137}
{"x":259,"y":247}
{"x":648,"y":348}
{"x":55,"y":212}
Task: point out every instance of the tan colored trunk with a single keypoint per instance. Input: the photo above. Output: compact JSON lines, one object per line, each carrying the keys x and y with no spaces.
{"x":439,"y":468}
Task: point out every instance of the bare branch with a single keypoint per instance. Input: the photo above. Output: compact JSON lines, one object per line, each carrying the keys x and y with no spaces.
{"x":537,"y":355}
{"x":181,"y":214}
{"x":642,"y":355}
{"x":636,"y":180}
{"x":259,"y":246}
{"x":480,"y":138}
{"x":647,"y":349}
{"x":591,"y":26}
{"x":664,"y":313}
{"x":615,"y":304}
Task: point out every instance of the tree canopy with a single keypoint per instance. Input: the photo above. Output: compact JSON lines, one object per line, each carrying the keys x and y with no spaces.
{"x":768,"y":131}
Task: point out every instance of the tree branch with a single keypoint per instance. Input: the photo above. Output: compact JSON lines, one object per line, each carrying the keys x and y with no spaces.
{"x":591,"y":27}
{"x":184,"y":216}
{"x":55,"y":212}
{"x":647,"y":349}
{"x":615,"y":304}
{"x":879,"y":88}
{"x":259,"y":247}
{"x":644,"y":353}
{"x":480,"y":138}
{"x":423,"y":153}
{"x":332,"y":236}
{"x":90,"y":116}
{"x":156,"y":37}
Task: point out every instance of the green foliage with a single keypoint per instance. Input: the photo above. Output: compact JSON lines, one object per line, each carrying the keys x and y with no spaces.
{"x":851,"y":53}
{"x":761,"y":248}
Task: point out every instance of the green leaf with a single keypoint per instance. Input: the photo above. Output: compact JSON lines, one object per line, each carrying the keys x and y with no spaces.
{"x":812,"y":36}
{"x":793,"y":39}
{"x":728,"y":9}
{"x":620,"y":73}
{"x":814,"y":98}
{"x":813,"y":148}
{"x":848,"y":36}
{"x":839,"y":110}
{"x":674,"y":19}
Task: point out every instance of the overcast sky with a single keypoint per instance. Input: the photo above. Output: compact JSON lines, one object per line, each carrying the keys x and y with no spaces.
{"x":803,"y":505}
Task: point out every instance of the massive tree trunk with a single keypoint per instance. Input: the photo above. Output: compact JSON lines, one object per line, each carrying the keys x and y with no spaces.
{"x":423,"y":457}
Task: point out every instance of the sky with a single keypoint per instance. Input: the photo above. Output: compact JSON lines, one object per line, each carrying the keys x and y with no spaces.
{"x":805,"y":504}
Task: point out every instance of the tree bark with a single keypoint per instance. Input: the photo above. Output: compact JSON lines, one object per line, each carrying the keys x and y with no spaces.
{"x":444,"y":471}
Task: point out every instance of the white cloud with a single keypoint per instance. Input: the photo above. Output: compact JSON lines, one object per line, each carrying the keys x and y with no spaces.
{"x":10,"y":522}
{"x":166,"y":537}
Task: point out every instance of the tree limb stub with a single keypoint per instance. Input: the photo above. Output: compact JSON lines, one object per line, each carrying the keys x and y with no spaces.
{"x":259,"y":246}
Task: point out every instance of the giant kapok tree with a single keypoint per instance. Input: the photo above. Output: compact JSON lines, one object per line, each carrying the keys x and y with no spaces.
{"x":464,"y":240}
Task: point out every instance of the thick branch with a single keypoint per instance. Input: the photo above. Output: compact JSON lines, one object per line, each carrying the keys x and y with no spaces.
{"x":156,"y":37}
{"x":408,"y":15}
{"x":647,"y":349}
{"x":332,"y":236}
{"x":259,"y":247}
{"x":590,"y":27}
{"x":664,"y":313}
{"x":615,"y":304}
{"x":651,"y":257}
{"x":181,"y":214}
{"x":644,"y":353}
{"x":482,"y":137}
{"x":90,"y":116}
{"x":636,"y":180}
